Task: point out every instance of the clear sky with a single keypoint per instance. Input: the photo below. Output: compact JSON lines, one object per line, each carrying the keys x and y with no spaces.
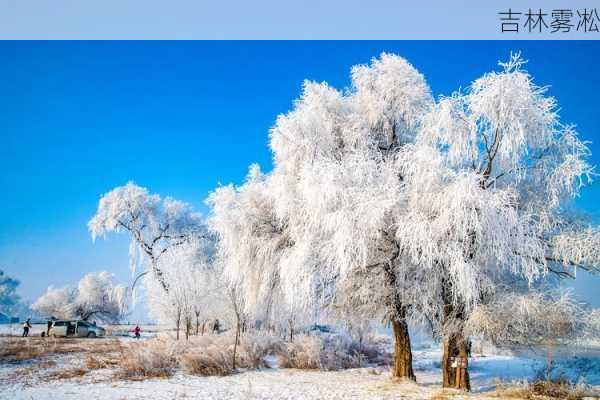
{"x":78,"y":118}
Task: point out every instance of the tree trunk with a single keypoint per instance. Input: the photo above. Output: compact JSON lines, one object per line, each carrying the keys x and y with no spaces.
{"x":203,"y":327}
{"x":455,"y":363}
{"x":237,"y":338}
{"x":197,"y":324}
{"x":291,"y":324}
{"x":402,"y":351}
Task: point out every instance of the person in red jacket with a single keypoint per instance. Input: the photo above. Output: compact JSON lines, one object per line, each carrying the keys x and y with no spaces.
{"x":136,"y":331}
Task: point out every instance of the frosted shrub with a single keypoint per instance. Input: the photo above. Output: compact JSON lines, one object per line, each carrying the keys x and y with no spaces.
{"x":342,"y":352}
{"x":339,"y":352}
{"x":534,"y":318}
{"x":304,"y":353}
{"x":212,"y":355}
{"x":212,"y":362}
{"x":335,"y":352}
{"x":255,"y":348}
{"x":150,"y":359}
{"x":544,"y":389}
{"x":378,"y":349}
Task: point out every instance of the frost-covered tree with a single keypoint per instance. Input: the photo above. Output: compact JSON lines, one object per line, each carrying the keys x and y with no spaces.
{"x":9,"y":299}
{"x":253,"y":245}
{"x":494,"y":172}
{"x":339,"y":187}
{"x":206,"y":295}
{"x":96,"y":295}
{"x":195,"y":294}
{"x":251,"y":242}
{"x":56,"y":302}
{"x":100,"y":296}
{"x":155,"y":225}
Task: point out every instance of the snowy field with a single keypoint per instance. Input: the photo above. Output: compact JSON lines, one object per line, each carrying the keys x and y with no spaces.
{"x":65,"y":376}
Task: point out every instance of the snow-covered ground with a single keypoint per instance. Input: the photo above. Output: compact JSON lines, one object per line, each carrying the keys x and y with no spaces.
{"x":364,"y":383}
{"x":266,"y":384}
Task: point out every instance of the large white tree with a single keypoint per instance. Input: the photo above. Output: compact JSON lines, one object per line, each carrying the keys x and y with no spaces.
{"x":96,"y":296}
{"x":339,"y":186}
{"x":490,"y":181}
{"x":252,"y":242}
{"x":253,"y":245}
{"x":154,"y":224}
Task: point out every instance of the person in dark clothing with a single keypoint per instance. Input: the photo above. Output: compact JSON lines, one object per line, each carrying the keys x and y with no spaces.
{"x":48,"y":328}
{"x":26,"y":327}
{"x":137,"y":331}
{"x":70,"y":328}
{"x":216,"y":326}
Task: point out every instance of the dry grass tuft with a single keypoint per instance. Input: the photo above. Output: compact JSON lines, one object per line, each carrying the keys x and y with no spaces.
{"x":541,"y":390}
{"x":212,"y":355}
{"x":445,"y":394}
{"x":207,"y":364}
{"x":14,"y":350}
{"x":304,"y":353}
{"x":149,"y":359}
{"x":23,"y":349}
{"x":67,"y":373}
{"x":92,"y":362}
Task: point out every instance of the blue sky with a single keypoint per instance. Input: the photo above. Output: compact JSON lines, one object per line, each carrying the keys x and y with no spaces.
{"x":78,"y":118}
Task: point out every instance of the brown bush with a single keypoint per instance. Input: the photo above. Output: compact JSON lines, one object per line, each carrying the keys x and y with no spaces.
{"x":304,"y":353}
{"x":92,"y":362}
{"x":150,"y":359}
{"x":542,"y":389}
{"x":558,"y":389}
{"x":207,"y":364}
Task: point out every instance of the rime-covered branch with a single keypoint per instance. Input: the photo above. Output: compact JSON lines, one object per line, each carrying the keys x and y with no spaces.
{"x":154,"y":224}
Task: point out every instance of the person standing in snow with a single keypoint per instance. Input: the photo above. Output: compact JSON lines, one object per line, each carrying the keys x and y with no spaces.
{"x":26,"y":327}
{"x":136,"y":331}
{"x":216,"y":326}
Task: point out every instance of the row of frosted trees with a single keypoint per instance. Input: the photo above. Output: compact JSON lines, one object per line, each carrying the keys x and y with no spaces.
{"x":385,"y":203}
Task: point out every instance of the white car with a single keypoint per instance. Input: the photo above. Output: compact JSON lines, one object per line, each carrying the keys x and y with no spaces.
{"x":75,"y":328}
